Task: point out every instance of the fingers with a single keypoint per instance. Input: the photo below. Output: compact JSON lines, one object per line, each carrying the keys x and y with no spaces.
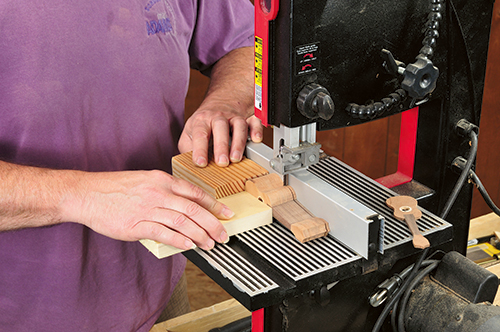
{"x":158,"y":232}
{"x":200,"y":136}
{"x":184,"y":217}
{"x":256,"y":129}
{"x":240,"y":133}
{"x":220,"y":130}
{"x":199,"y":129}
{"x":202,"y":209}
{"x":182,"y":223}
{"x":196,"y":194}
{"x":185,"y":143}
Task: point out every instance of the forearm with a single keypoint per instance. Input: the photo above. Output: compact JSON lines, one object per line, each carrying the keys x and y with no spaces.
{"x":232,"y":82}
{"x":32,"y":196}
{"x":127,"y":205}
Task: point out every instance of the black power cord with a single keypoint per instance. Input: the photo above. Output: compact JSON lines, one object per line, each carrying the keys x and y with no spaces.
{"x":475,"y":179}
{"x":463,"y":175}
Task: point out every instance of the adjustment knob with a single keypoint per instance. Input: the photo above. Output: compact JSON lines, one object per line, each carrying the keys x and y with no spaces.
{"x":420,"y":77}
{"x":314,"y":101}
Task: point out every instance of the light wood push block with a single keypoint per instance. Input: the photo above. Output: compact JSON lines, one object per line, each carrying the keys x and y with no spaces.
{"x":286,"y":209}
{"x":227,"y":185}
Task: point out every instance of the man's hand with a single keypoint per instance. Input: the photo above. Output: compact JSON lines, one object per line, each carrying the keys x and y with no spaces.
{"x":152,"y":205}
{"x":128,"y":206}
{"x":218,"y":124}
{"x":226,"y":112}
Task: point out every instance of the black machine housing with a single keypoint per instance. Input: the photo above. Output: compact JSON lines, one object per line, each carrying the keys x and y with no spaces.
{"x":343,"y":40}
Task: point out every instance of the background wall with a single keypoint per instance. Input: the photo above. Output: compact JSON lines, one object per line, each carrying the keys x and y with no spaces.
{"x":372,"y":148}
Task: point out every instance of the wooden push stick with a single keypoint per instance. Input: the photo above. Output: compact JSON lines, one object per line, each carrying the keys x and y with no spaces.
{"x":282,"y":199}
{"x":405,"y":208}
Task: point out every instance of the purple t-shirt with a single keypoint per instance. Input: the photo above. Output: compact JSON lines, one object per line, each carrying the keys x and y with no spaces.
{"x":98,"y":86}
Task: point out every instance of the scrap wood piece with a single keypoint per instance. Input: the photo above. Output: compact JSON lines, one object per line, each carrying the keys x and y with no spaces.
{"x":217,"y":181}
{"x":205,"y":319}
{"x":249,"y":213}
{"x":484,"y":226}
{"x":405,"y":208}
{"x":286,"y":209}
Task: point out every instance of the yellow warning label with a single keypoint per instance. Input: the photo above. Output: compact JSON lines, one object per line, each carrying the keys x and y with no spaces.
{"x":258,"y":72}
{"x":258,"y":61}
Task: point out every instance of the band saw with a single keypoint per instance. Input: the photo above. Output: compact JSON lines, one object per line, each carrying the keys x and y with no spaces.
{"x":328,"y":64}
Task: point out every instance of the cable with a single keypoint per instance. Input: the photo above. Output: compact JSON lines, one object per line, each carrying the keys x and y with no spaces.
{"x":399,"y":292}
{"x":463,"y":176}
{"x":406,"y":297}
{"x":395,"y":309}
{"x":483,"y":192}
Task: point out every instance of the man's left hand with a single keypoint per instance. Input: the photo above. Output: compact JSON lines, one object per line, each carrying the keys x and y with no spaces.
{"x":225,"y":112}
{"x":219,"y":125}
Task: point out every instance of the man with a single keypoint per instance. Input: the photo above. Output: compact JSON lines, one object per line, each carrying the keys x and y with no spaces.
{"x":92,"y":95}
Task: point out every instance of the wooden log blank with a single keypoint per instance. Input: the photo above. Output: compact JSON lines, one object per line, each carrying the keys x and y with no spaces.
{"x":286,"y":209}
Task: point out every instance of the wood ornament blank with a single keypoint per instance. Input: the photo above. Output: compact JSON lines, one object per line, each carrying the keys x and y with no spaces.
{"x":405,"y":208}
{"x":270,"y":190}
{"x":290,"y":213}
{"x":217,"y":181}
{"x":249,"y":213}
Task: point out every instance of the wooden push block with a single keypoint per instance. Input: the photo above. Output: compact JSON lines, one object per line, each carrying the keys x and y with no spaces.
{"x":289,"y":212}
{"x":249,"y":213}
{"x":217,"y":181}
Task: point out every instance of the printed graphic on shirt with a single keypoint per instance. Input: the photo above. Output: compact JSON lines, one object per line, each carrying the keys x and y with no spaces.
{"x":159,"y":17}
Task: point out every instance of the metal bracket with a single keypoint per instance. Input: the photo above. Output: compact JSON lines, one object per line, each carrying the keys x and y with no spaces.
{"x":294,"y":148}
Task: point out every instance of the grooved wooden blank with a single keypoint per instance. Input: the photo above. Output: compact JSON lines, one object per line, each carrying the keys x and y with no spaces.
{"x":216,"y":181}
{"x":289,"y":212}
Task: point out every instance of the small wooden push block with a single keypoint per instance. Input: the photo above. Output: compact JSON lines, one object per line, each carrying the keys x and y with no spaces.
{"x":249,"y":213}
{"x":290,"y":213}
{"x":217,"y":181}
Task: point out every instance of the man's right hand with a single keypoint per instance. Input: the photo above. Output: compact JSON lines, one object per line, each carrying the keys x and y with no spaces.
{"x":152,"y":205}
{"x":128,"y":205}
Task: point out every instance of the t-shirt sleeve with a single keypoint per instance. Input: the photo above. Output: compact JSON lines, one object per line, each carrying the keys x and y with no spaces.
{"x":221,"y":26}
